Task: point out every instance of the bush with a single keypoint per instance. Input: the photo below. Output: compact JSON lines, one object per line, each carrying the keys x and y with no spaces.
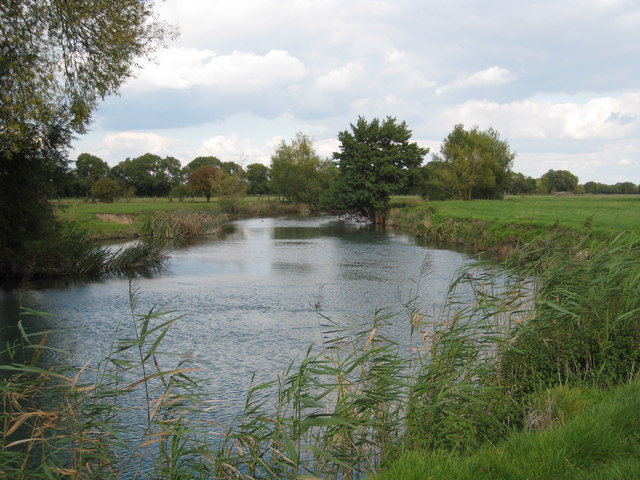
{"x":105,"y":190}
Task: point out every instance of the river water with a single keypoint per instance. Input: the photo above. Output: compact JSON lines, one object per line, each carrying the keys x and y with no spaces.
{"x":251,"y":300}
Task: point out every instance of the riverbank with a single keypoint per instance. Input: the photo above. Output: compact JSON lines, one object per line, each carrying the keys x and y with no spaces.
{"x":503,"y":226}
{"x":125,"y":218}
{"x":478,"y":224}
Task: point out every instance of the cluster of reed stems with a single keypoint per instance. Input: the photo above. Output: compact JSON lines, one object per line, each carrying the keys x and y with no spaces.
{"x":177,"y":224}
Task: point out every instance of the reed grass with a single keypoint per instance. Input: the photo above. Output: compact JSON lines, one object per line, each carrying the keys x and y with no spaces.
{"x":177,"y":224}
{"x":67,"y":251}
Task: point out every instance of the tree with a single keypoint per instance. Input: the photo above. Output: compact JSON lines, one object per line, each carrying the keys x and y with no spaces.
{"x":150,"y":175}
{"x":198,"y":162}
{"x":105,"y":189}
{"x":258,"y":179}
{"x":297,"y":171}
{"x":210,"y":181}
{"x":558,"y":181}
{"x":517,"y":183}
{"x":58,"y":59}
{"x":232,"y":168}
{"x":89,"y":169}
{"x":376,"y":159}
{"x":473,"y":164}
{"x":201,"y":181}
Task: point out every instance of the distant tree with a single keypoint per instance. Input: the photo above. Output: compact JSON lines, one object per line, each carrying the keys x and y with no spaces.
{"x":618,"y":188}
{"x":179,"y":192}
{"x":150,"y":175}
{"x":473,"y":164}
{"x":201,"y":181}
{"x":558,"y":181}
{"x":232,"y":168}
{"x":297,"y":172}
{"x":626,"y":188}
{"x":257,"y":179}
{"x":105,"y":189}
{"x":375,"y":160}
{"x":211,"y":181}
{"x":198,"y":162}
{"x":517,"y":183}
{"x":89,"y":169}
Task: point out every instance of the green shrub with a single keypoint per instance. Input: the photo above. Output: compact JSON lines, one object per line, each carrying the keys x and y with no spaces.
{"x":106,"y":190}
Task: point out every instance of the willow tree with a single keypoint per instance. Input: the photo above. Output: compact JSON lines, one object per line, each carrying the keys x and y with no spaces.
{"x":58,"y":59}
{"x":298,"y":173}
{"x":472,"y":164}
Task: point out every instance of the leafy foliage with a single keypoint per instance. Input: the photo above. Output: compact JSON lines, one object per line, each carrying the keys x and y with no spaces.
{"x":376,"y":159}
{"x":298,"y":173}
{"x":471,"y":164}
{"x":106,"y":189}
{"x":258,"y":179}
{"x":558,"y":181}
{"x":57,"y":60}
{"x":211,"y":181}
{"x":198,"y":162}
{"x":624,"y":188}
{"x":149,"y":175}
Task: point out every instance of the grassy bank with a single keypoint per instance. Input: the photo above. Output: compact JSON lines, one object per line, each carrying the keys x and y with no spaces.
{"x":510,"y":223}
{"x":586,"y":435}
{"x":125,"y":218}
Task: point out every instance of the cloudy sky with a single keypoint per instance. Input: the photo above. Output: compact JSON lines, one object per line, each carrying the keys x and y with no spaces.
{"x":559,"y":79}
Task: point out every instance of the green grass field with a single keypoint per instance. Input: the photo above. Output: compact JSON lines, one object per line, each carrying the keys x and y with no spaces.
{"x":608,"y":213}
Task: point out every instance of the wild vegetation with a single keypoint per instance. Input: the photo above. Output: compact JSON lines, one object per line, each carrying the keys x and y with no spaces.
{"x":465,"y":379}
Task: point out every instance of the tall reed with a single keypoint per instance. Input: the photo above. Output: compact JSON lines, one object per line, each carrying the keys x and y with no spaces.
{"x":66,"y":422}
{"x":176,"y":224}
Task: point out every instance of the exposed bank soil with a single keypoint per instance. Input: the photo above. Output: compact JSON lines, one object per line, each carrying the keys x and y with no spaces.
{"x":120,"y":218}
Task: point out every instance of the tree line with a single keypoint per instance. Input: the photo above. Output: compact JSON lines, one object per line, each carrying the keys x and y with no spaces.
{"x":376,"y":160}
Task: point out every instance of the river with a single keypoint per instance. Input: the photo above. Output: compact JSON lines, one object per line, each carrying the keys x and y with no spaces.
{"x":251,"y":300}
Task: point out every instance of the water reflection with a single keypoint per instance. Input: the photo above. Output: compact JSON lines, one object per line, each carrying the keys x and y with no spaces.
{"x":251,"y":299}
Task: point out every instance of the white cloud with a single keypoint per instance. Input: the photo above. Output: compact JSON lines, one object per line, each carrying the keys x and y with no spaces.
{"x":116,"y":147}
{"x":235,"y":149}
{"x":340,"y":78}
{"x":326,"y":147}
{"x":490,"y":77}
{"x":598,"y":118}
{"x":182,"y":68}
{"x":609,"y":163}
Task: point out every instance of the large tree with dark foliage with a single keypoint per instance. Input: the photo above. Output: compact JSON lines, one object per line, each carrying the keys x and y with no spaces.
{"x":58,"y":59}
{"x":376,"y":159}
{"x":149,"y":175}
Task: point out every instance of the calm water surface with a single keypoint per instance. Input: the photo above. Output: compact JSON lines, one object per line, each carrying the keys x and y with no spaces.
{"x":251,"y":300}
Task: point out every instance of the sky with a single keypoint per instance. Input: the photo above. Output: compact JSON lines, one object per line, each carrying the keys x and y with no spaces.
{"x":558,"y":79}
